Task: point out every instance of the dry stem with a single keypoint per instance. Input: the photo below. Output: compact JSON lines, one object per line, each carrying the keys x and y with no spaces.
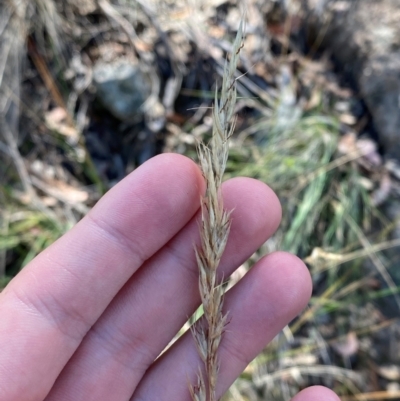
{"x":214,"y":229}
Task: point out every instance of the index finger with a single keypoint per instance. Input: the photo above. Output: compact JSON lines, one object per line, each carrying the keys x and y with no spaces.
{"x":48,"y":308}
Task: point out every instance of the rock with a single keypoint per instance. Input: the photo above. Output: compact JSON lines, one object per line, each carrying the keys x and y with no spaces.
{"x":122,"y":88}
{"x":364,"y":38}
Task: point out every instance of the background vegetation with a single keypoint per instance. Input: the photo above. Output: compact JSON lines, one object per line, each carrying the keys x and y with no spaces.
{"x":302,"y":129}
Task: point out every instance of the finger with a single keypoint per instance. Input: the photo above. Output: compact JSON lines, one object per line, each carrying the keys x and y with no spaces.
{"x":316,"y":393}
{"x":259,"y":306}
{"x":157,"y":301}
{"x":50,"y":306}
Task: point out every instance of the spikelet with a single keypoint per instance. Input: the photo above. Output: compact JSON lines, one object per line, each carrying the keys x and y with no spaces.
{"x":214,"y":229}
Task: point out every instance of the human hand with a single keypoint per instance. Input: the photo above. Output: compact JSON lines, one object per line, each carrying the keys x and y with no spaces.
{"x":87,"y":318}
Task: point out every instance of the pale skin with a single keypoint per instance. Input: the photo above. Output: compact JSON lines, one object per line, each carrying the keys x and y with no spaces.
{"x":87,"y":318}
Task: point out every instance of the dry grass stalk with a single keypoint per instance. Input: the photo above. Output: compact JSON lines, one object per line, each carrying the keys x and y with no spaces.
{"x":214,"y":230}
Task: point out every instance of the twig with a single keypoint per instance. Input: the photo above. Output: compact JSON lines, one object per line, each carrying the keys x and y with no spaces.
{"x":57,"y":194}
{"x":12,"y":150}
{"x":17,"y":159}
{"x":48,"y":80}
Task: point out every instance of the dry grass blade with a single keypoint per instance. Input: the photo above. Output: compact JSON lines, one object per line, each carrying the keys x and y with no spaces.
{"x":376,"y":260}
{"x":352,"y":380}
{"x":214,"y":229}
{"x":316,"y":370}
{"x":377,"y":395}
{"x":326,"y":260}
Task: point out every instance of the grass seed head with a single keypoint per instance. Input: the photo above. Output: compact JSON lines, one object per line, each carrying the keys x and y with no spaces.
{"x":214,"y":229}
